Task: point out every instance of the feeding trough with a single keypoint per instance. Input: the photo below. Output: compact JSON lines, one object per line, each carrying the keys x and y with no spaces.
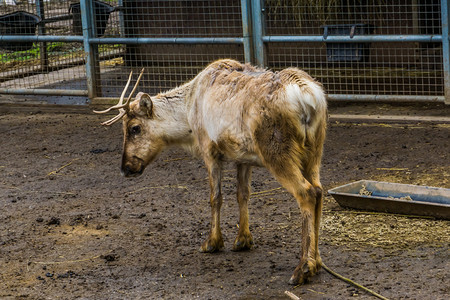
{"x":18,"y":23}
{"x":394,"y":198}
{"x":102,"y":12}
{"x":347,"y":52}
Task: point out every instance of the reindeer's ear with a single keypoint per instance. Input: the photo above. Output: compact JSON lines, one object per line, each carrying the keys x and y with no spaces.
{"x":145,"y":104}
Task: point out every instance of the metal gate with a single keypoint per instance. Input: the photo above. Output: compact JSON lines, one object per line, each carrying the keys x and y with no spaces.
{"x":377,"y":50}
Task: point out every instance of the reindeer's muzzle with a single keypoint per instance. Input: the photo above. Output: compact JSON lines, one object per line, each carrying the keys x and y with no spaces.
{"x":132,"y":167}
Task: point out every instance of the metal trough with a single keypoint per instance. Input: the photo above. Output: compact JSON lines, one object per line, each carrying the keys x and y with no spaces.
{"x":102,"y":12}
{"x":18,"y":23}
{"x":394,"y":198}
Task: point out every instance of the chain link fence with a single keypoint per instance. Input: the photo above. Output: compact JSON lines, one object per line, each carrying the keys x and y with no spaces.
{"x":381,"y":68}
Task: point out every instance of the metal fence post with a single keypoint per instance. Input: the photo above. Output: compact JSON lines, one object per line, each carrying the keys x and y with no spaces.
{"x":91,"y":50}
{"x":258,"y":32}
{"x":43,"y":54}
{"x":121,"y":19}
{"x":247,"y":31}
{"x":446,"y":49}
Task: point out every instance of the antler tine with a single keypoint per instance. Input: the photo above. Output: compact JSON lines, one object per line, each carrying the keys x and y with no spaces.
{"x":116,"y":118}
{"x":122,"y":107}
{"x":135,"y":87}
{"x":120,"y":104}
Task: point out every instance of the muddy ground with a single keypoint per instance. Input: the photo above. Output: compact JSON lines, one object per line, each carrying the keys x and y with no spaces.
{"x":72,"y":227}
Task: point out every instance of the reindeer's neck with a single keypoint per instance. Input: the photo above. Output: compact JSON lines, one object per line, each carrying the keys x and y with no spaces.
{"x":178,"y":93}
{"x":170,"y":107}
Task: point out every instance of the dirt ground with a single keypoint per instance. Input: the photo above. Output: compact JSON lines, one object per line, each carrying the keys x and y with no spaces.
{"x":71,"y":227}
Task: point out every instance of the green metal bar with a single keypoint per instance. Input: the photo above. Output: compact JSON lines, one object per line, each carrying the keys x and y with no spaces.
{"x":41,"y":31}
{"x":53,"y":92}
{"x":121,"y":19}
{"x":258,"y":33}
{"x":383,"y":98}
{"x":91,"y":50}
{"x":39,"y":39}
{"x":446,"y":48}
{"x":247,"y":30}
{"x":354,"y":39}
{"x":167,"y":40}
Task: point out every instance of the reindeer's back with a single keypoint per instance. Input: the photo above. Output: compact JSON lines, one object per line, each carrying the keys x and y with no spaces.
{"x":234,"y":101}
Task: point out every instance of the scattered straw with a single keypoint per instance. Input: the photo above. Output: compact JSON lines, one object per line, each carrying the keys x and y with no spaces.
{"x":66,"y":165}
{"x":266,"y":191}
{"x":364,"y":191}
{"x":176,"y":159}
{"x":382,"y":230}
{"x":159,"y":187}
{"x":311,"y":290}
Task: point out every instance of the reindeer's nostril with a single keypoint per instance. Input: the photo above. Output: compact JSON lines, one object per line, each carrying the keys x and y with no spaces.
{"x":128,"y":170}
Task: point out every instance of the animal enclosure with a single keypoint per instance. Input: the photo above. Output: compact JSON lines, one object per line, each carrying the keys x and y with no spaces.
{"x":376,"y":50}
{"x":72,"y":227}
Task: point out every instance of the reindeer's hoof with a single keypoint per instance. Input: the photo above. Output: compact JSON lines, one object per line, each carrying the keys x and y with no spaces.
{"x":302,"y":274}
{"x":243,"y":242}
{"x":211,"y":246}
{"x":318,"y":263}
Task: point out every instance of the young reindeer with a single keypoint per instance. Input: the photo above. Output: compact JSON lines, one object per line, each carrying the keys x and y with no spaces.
{"x":236,"y":112}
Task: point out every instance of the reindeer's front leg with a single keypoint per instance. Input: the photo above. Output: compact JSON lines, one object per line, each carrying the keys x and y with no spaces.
{"x":214,"y":242}
{"x":244,"y":239}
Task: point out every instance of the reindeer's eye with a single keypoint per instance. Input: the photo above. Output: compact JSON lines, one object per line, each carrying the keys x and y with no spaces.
{"x":134,"y":130}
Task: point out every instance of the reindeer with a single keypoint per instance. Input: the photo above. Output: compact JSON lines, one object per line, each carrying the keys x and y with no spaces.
{"x":251,"y":116}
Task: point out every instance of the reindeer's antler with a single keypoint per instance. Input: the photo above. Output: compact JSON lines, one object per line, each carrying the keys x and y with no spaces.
{"x":122,"y":107}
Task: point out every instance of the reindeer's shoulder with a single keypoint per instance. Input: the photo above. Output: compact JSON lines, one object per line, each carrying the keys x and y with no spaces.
{"x":297,"y":76}
{"x":230,"y":72}
{"x":225,"y":65}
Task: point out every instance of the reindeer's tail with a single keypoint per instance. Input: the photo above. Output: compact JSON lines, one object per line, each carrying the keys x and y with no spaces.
{"x":307,"y":97}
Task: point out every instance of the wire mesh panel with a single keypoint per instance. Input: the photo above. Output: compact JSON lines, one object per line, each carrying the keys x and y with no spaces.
{"x":305,"y":17}
{"x":166,"y":66}
{"x":47,"y":65}
{"x":43,"y":65}
{"x":381,"y":68}
{"x":170,"y":18}
{"x":394,"y":68}
{"x":169,"y":65}
{"x":29,"y":69}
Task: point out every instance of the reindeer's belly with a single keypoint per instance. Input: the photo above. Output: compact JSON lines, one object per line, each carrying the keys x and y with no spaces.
{"x":247,"y":158}
{"x":232,"y":148}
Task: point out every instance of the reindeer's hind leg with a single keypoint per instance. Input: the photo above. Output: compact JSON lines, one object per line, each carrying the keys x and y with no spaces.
{"x":244,"y":239}
{"x":312,"y":175}
{"x":284,"y":148}
{"x":289,"y":175}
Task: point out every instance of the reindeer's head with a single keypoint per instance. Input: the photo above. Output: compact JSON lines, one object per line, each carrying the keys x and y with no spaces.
{"x":141,"y":142}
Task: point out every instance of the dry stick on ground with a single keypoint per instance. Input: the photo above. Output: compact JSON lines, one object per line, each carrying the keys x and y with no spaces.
{"x":56,"y":171}
{"x":295,"y":297}
{"x":292,"y":295}
{"x":352,"y":282}
{"x":67,"y":261}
